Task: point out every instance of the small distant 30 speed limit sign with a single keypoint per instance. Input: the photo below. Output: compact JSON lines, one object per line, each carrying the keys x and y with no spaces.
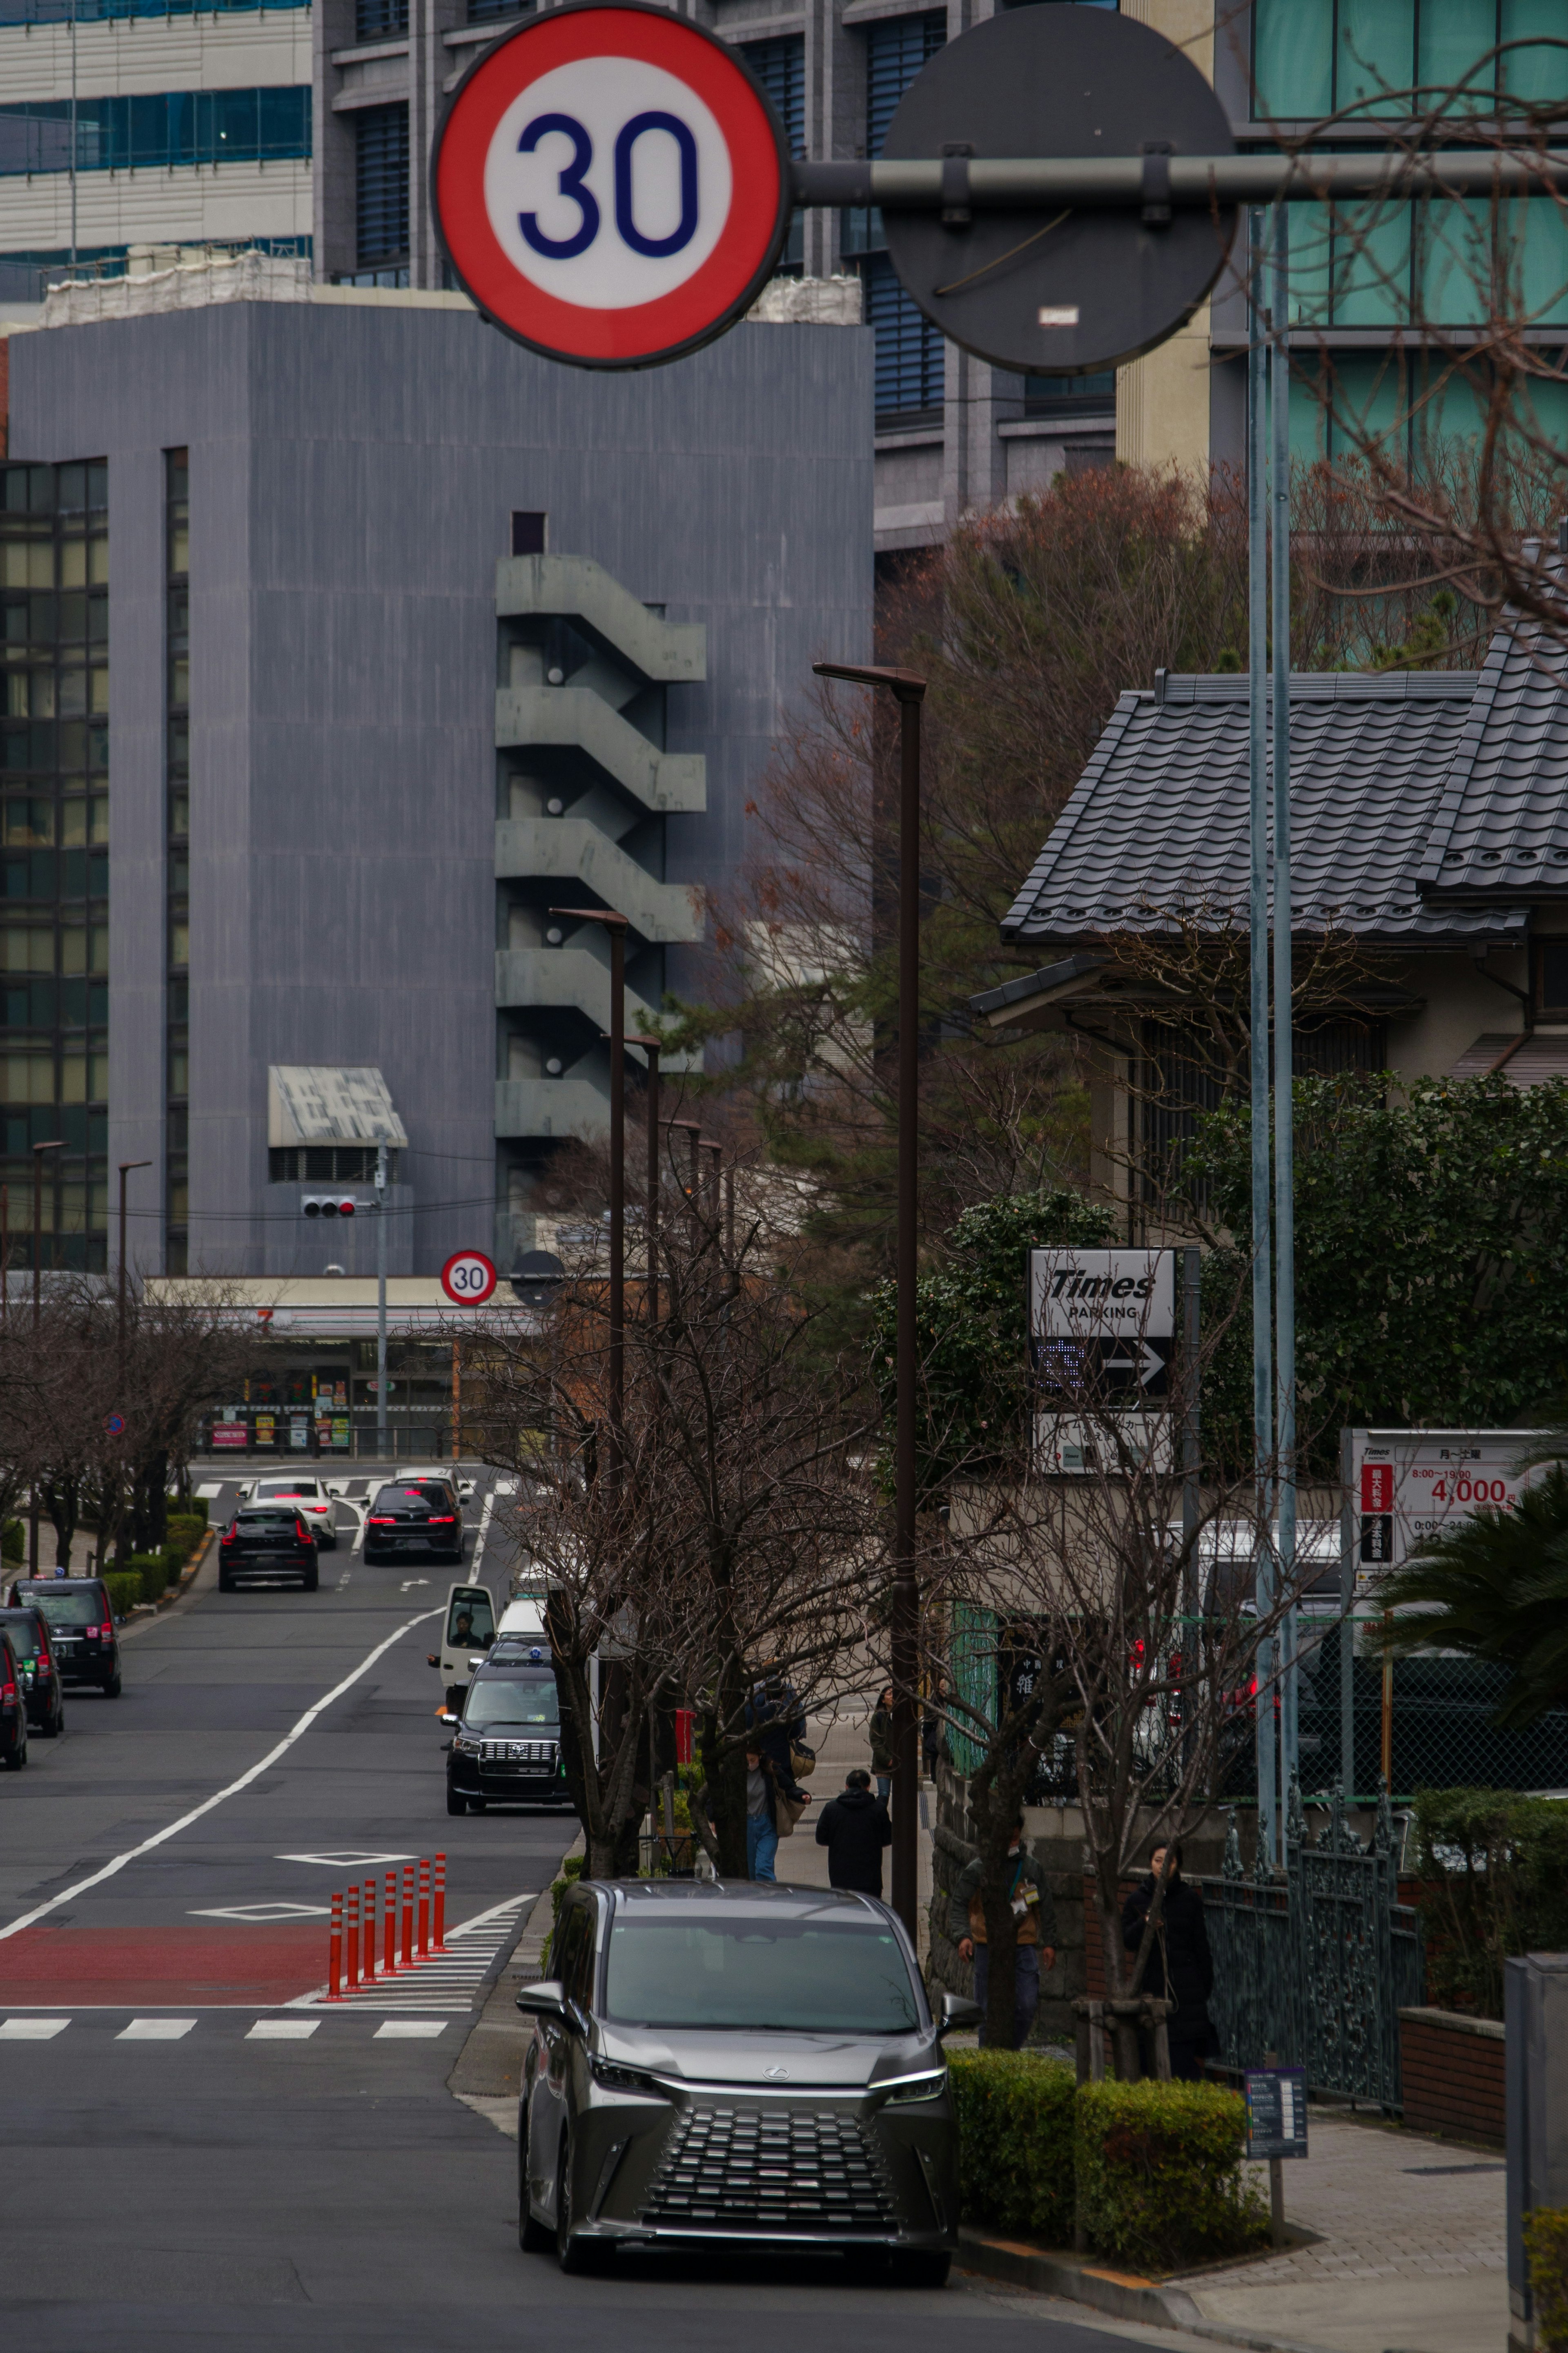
{"x":469,"y":1276}
{"x":610,"y":186}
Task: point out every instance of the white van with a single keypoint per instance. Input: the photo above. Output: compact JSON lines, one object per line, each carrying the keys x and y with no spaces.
{"x":467,"y":1631}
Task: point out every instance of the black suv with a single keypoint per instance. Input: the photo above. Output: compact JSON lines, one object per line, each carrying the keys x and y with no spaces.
{"x":414,"y":1516}
{"x":13,"y":1709}
{"x":81,"y":1626}
{"x":29,"y":1633}
{"x":507,"y":1749}
{"x":270,"y":1541}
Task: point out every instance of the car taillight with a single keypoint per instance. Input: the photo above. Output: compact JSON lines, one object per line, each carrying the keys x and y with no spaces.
{"x":231,"y":1536}
{"x":387,"y":1522}
{"x":107,"y":1629}
{"x":302,"y":1531}
{"x":8,"y":1695}
{"x":442,"y":1519}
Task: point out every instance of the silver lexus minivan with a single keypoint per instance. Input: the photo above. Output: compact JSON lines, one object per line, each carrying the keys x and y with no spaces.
{"x":736,"y":2064}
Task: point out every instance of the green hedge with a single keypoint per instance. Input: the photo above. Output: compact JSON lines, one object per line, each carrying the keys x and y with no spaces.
{"x":1546,"y":2249}
{"x":153,"y":1569}
{"x":124,"y":1589}
{"x":186,"y":1533}
{"x":13,"y":1542}
{"x":1158,"y":2169}
{"x":1015,"y":2112}
{"x":1494,"y":1874}
{"x":194,"y":1507}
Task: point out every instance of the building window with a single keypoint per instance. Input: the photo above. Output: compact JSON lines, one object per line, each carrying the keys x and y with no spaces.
{"x":1046,"y":396}
{"x":166,"y":127}
{"x":780,"y":65}
{"x":1413,"y":409}
{"x":54,"y":861}
{"x":380,"y":20}
{"x":326,"y":1164}
{"x":909,"y":368}
{"x":381,"y":184}
{"x":483,"y":12}
{"x":529,"y":529}
{"x":1315,"y":57}
{"x":177,"y":880}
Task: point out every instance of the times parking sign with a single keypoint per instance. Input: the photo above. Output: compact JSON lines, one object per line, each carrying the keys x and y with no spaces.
{"x":611,"y":186}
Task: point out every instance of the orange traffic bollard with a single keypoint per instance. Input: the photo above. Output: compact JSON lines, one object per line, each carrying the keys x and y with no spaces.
{"x":424,"y":1909}
{"x":389,"y":1946}
{"x":438,"y":1927}
{"x":370,"y":1932}
{"x":336,"y":1953}
{"x":353,"y":1938}
{"x":408,"y":1916}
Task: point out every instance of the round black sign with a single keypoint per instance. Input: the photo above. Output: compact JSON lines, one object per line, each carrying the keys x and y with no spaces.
{"x":1059,"y":292}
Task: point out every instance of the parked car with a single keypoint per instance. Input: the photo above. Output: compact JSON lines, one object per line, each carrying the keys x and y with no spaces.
{"x":13,"y":1709}
{"x":29,"y":1631}
{"x":311,"y":1498}
{"x":419,"y":1516}
{"x":506,"y":1747}
{"x":722,"y":2064}
{"x":461,"y":1488}
{"x":81,"y":1626}
{"x":264,"y":1542}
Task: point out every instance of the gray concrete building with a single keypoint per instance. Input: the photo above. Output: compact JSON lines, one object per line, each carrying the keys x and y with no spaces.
{"x":343,"y":641}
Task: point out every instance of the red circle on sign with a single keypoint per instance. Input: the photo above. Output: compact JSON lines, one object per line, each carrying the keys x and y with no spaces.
{"x":718,"y":291}
{"x":470,"y":1263}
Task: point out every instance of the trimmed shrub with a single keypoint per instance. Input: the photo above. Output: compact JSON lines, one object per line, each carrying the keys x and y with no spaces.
{"x":152,"y":1569}
{"x":1015,"y":2112}
{"x":186,"y":1533}
{"x":1159,"y":2174}
{"x":13,"y":1542}
{"x":1546,"y":2250}
{"x":1494,"y":1874}
{"x":194,"y":1507}
{"x":124,"y":1589}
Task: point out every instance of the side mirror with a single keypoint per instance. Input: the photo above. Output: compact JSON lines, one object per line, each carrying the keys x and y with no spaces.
{"x":465,"y":1486}
{"x":956,"y":2009}
{"x":447,"y":1715}
{"x":545,"y":1999}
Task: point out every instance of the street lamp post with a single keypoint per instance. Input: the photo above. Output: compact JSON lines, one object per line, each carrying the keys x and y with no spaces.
{"x":616,"y":925}
{"x":125,"y":1168}
{"x":650,"y":1047}
{"x":58,"y":1145}
{"x":908,"y":689}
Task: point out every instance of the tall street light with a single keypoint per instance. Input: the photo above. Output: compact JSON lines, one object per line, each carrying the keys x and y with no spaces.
{"x":58,"y":1145}
{"x":907,"y":689}
{"x":125,"y":1168}
{"x":616,"y":925}
{"x":650,"y":1047}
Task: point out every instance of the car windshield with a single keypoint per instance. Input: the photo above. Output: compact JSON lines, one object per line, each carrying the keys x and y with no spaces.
{"x":22,"y":1632}
{"x":497,"y":1700}
{"x":391,"y":1498}
{"x":823,"y":1977}
{"x":268,"y":1523}
{"x":78,"y":1609}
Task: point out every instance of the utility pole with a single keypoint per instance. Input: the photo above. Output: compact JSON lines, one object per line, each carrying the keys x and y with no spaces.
{"x":908,"y":690}
{"x":616,"y":925}
{"x":650,"y":1047}
{"x":381,"y":1303}
{"x":1284,"y":1059}
{"x":1258,"y":1030}
{"x":38,"y":1151}
{"x":125,"y":1168}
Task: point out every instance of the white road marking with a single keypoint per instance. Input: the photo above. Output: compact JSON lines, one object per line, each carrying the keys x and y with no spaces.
{"x":409,"y":1583}
{"x":345,"y":1861}
{"x":155,"y":2029}
{"x":258,"y":1916}
{"x":487,"y":1507}
{"x":210,"y":1490}
{"x":282,"y":2029}
{"x":262,"y":1765}
{"x":32,"y":2029}
{"x":408,"y":2030}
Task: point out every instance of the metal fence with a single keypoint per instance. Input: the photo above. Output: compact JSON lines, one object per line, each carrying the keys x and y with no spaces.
{"x":1316,"y":1962}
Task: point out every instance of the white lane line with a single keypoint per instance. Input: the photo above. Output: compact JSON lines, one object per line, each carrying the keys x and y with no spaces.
{"x":31,"y":2029}
{"x":487,"y":1507}
{"x":155,"y":2029}
{"x":262,"y":1765}
{"x":409,"y":2030}
{"x":282,"y":2029}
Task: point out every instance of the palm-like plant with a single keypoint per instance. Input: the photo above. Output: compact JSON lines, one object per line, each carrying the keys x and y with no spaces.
{"x":1496,"y":1586}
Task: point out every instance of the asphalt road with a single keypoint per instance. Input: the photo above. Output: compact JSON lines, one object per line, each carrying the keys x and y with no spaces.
{"x":195,"y":2149}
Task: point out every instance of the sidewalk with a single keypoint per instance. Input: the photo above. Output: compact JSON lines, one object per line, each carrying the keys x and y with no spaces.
{"x":841,"y":1741}
{"x":1410,"y":2253}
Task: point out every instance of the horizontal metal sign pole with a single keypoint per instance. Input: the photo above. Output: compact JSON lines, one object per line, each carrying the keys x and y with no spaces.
{"x":1013,"y":185}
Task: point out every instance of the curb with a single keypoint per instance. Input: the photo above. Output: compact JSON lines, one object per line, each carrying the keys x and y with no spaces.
{"x":1122,"y":2296}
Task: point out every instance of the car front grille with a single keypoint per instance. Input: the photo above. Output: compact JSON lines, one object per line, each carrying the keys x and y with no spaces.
{"x":773,"y":2169}
{"x":527,"y":1755}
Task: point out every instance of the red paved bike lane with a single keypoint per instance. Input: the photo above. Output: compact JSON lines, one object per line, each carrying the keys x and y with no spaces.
{"x":155,"y":1968}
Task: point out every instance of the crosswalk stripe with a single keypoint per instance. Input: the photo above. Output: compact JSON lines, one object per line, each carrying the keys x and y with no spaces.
{"x":409,"y":2029}
{"x":155,"y":2029}
{"x":32,"y":2029}
{"x":282,"y":2029}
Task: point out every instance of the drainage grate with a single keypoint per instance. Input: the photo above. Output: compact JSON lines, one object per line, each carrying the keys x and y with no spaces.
{"x":770,"y":2169}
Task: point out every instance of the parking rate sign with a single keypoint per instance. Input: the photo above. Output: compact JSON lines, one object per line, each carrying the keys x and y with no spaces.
{"x":610,"y":186}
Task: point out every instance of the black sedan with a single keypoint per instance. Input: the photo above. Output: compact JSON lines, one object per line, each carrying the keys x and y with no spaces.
{"x":13,"y":1709}
{"x":29,"y":1631}
{"x":414,"y":1516}
{"x":81,"y":1626}
{"x":507,"y":1749}
{"x":264,"y":1543}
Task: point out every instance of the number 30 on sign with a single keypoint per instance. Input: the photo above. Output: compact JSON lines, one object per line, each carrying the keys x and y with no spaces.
{"x":611,"y":186}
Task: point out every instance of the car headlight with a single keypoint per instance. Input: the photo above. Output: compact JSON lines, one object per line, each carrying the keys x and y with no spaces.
{"x":627,"y":2079}
{"x":466,"y":1746}
{"x":906,"y":2088}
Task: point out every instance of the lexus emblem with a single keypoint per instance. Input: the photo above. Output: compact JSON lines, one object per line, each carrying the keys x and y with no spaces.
{"x":776,"y":2074}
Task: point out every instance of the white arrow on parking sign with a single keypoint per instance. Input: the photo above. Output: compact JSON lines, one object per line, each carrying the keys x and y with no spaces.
{"x":1148,"y":1364}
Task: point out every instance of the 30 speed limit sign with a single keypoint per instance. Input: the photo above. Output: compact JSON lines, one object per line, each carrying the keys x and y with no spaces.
{"x":610,"y":184}
{"x":469,"y":1276}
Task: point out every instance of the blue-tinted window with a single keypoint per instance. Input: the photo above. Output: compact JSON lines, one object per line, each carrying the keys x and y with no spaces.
{"x":1044,"y":393}
{"x":895,"y":52}
{"x":1314,"y":58}
{"x":780,"y":67}
{"x":380,"y":183}
{"x":95,"y":12}
{"x":910,"y":374}
{"x":380,"y":20}
{"x":223,"y":126}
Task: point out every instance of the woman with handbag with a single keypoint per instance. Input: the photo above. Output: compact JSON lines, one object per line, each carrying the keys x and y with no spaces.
{"x":1180,"y":1966}
{"x":769,"y":1788}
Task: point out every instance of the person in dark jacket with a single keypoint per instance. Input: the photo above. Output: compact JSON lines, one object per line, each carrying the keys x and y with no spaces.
{"x":855,"y":1828}
{"x":1180,"y":1966}
{"x":882,"y":1757}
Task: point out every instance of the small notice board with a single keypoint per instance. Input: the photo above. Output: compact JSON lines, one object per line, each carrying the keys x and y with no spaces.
{"x":1276,"y":2112}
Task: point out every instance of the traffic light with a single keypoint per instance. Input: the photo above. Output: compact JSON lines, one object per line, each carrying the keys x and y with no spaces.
{"x":328,"y":1204}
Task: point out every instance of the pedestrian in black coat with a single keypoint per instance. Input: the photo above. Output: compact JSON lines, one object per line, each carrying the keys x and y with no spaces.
{"x":1182,"y":1940}
{"x":854,"y":1828}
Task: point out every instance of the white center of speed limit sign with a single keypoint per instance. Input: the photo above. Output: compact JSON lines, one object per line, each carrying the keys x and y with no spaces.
{"x":469,"y":1274}
{"x":607,"y":183}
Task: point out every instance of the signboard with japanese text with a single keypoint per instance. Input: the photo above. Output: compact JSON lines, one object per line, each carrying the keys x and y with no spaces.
{"x":1276,"y":2112}
{"x":1409,"y":1485}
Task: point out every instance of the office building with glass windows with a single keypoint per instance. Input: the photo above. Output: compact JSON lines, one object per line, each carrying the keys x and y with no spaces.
{"x":345,"y":644}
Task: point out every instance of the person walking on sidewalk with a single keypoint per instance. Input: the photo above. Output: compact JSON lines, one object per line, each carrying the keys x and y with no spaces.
{"x":766,"y":1784}
{"x":1037,"y":1915}
{"x":1180,"y":1966}
{"x":855,"y":1828}
{"x":883,"y":1759}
